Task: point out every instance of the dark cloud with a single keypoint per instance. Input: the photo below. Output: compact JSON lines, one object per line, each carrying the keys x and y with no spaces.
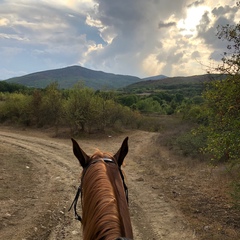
{"x":216,"y":55}
{"x":175,"y":58}
{"x":135,"y":25}
{"x":208,"y":29}
{"x":196,"y":3}
{"x":171,"y":56}
{"x":166,"y":25}
{"x":204,"y":24}
{"x":222,"y":10}
{"x":208,"y":32}
{"x":195,"y":55}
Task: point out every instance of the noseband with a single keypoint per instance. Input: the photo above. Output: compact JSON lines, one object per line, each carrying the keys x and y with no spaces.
{"x":79,"y":190}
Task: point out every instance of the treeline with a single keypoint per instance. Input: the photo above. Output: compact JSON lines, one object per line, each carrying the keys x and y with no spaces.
{"x":81,"y":109}
{"x":163,"y":103}
{"x":160,"y":102}
{"x":12,"y":87}
{"x":188,"y":89}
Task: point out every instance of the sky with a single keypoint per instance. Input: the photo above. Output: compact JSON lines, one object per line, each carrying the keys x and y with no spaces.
{"x":133,"y":37}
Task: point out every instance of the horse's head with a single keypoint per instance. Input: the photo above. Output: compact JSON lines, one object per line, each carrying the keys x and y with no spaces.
{"x":104,"y":194}
{"x":85,"y":160}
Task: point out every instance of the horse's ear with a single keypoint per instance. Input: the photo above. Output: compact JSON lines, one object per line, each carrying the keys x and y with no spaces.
{"x":122,"y":152}
{"x":80,"y":154}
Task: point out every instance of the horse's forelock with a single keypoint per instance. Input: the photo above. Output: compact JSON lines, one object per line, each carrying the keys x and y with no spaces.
{"x":100,"y":210}
{"x":98,"y":155}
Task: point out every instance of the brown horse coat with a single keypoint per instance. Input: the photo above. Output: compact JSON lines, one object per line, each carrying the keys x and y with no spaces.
{"x":104,"y":202}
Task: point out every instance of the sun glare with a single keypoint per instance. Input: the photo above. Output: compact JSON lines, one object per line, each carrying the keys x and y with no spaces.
{"x":189,"y":24}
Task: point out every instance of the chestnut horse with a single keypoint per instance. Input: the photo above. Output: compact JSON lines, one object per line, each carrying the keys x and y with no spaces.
{"x":105,"y":213}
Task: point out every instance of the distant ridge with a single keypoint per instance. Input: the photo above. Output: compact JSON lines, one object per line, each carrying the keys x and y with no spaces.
{"x":173,"y":81}
{"x":158,"y":77}
{"x":67,"y":77}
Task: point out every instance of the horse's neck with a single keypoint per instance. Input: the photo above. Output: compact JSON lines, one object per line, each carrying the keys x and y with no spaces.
{"x":126,"y":226}
{"x":101,"y":218}
{"x":105,"y":209}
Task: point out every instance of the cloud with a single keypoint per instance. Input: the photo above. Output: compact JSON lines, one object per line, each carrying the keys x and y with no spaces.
{"x":136,"y":37}
{"x":50,"y":36}
{"x":166,"y":25}
{"x":195,"y":55}
{"x":196,"y":3}
{"x":225,"y":10}
{"x":4,"y":22}
{"x":5,"y":73}
{"x":133,"y":27}
{"x":209,"y":27}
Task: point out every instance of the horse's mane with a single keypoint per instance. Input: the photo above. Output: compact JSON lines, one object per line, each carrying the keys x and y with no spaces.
{"x":101,"y":218}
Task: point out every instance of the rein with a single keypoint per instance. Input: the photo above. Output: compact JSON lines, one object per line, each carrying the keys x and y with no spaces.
{"x":79,"y":190}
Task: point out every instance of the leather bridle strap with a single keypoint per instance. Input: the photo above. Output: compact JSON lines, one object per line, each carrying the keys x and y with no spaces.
{"x":124,"y":184}
{"x":74,"y":203}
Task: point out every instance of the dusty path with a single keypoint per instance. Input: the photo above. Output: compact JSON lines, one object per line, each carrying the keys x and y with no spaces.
{"x":39,"y":176}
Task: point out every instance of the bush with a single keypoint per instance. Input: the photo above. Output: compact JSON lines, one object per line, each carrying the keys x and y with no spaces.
{"x":16,"y":109}
{"x":192,"y":143}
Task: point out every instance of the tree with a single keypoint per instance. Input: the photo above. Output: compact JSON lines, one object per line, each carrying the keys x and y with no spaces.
{"x":128,"y":100}
{"x":36,"y":105}
{"x":223,"y":101}
{"x":16,"y":109}
{"x":11,"y":87}
{"x":223,"y":104}
{"x":82,"y":109}
{"x":51,"y":106}
{"x":231,"y":57}
{"x":148,"y":105}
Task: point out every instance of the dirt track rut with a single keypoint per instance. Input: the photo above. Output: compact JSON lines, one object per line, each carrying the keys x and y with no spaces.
{"x":55,"y":176}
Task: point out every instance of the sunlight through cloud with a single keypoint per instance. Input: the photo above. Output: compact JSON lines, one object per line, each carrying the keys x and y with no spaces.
{"x":188,"y":25}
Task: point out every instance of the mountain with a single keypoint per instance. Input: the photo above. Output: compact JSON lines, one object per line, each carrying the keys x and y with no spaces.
{"x":69,"y":76}
{"x":158,"y":77}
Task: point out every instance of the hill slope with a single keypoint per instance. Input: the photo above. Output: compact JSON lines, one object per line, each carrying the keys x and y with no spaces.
{"x":69,"y":76}
{"x":158,"y":77}
{"x":174,"y":82}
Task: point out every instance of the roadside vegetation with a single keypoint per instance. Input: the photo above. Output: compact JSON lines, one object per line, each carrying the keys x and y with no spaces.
{"x":80,"y":109}
{"x":217,"y":132}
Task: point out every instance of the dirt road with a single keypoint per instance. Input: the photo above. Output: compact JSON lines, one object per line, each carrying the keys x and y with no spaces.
{"x":39,"y":176}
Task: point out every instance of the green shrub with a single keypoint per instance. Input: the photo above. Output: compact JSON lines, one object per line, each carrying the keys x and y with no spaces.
{"x":191,"y":143}
{"x":16,"y":109}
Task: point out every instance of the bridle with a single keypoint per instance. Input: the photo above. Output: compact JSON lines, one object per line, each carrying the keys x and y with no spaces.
{"x":79,"y":190}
